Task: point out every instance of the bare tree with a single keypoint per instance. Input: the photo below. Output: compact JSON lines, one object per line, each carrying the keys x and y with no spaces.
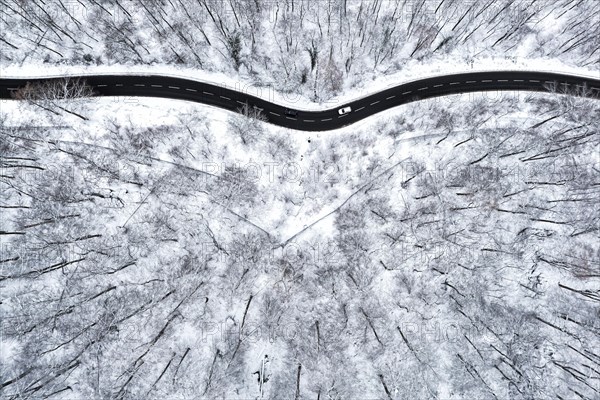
{"x":49,"y":93}
{"x":249,"y":126}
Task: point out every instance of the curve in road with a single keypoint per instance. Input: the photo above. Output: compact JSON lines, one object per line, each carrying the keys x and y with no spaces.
{"x":329,"y":119}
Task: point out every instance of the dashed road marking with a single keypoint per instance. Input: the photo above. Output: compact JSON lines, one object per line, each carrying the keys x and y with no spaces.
{"x":274,"y":113}
{"x":358,"y":109}
{"x":343,"y":115}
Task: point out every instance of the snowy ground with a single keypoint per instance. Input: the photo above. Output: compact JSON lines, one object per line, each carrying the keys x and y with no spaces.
{"x":444,"y":249}
{"x":442,"y":219}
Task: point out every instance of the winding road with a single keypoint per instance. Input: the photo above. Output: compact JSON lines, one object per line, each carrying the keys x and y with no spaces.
{"x":329,"y":119}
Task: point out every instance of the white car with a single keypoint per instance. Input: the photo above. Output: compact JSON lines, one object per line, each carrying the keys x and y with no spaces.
{"x":345,"y":110}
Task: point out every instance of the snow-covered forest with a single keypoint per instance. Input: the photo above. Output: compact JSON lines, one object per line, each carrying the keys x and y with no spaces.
{"x":161,"y":249}
{"x":317,"y":48}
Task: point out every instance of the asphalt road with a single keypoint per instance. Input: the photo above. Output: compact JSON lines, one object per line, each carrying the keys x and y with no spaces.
{"x":229,"y":99}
